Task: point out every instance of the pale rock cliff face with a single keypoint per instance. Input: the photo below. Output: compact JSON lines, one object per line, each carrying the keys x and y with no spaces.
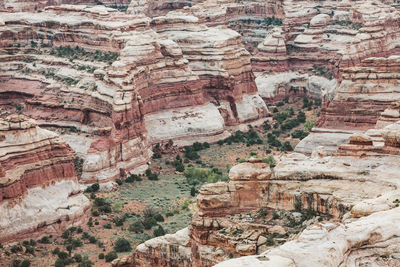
{"x":357,"y":187}
{"x":153,"y":8}
{"x":106,"y":105}
{"x":32,"y":6}
{"x":39,"y":190}
{"x":389,"y":115}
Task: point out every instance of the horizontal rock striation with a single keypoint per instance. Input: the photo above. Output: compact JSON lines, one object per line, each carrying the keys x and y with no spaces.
{"x":366,"y":90}
{"x":101,"y":91}
{"x":39,"y":191}
{"x":357,"y":184}
{"x":32,"y":6}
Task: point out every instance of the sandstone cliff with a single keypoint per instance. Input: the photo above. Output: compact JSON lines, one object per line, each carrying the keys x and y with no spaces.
{"x":112,"y":93}
{"x":355,"y":189}
{"x":39,"y":191}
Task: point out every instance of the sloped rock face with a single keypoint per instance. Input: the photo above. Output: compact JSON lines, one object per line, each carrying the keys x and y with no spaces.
{"x":333,"y":46}
{"x":153,"y":8}
{"x":357,"y":187}
{"x":365,"y":91}
{"x":389,"y":115}
{"x":107,"y":91}
{"x":250,"y":18}
{"x":168,"y":250}
{"x":39,"y":191}
{"x":77,"y":96}
{"x":31,"y":6}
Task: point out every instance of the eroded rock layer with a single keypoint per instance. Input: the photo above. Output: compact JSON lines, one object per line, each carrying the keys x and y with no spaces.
{"x":103,"y":79}
{"x":39,"y":190}
{"x":322,"y":42}
{"x":356,"y":187}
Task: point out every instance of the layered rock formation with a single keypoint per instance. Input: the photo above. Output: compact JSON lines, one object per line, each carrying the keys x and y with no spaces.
{"x":365,"y":236}
{"x":249,"y":18}
{"x":102,"y":102}
{"x":389,"y":115}
{"x":32,"y":6}
{"x":357,"y":187}
{"x":153,"y":8}
{"x":39,"y":190}
{"x":322,"y":40}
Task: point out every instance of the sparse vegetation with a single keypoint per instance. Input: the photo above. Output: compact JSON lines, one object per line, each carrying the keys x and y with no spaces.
{"x":122,"y":245}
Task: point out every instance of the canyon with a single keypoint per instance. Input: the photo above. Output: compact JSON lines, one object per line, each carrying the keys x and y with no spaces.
{"x":39,"y":190}
{"x":89,"y":88}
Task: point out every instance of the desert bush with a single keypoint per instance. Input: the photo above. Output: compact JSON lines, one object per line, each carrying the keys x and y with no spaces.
{"x":287,"y":146}
{"x":270,"y":160}
{"x":195,"y":176}
{"x":122,"y":245}
{"x":77,"y":257}
{"x":193,"y":191}
{"x":149,"y":222}
{"x":136,"y":227}
{"x":159,"y":231}
{"x":111,"y":256}
{"x":107,"y":226}
{"x":159,"y":218}
{"x":299,"y":134}
{"x":85,"y":262}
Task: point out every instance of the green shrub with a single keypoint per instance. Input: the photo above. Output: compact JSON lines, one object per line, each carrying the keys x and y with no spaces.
{"x":93,"y":188}
{"x":119,"y":181}
{"x":136,"y":227}
{"x":78,"y":257}
{"x":241,"y":160}
{"x":309,"y":125}
{"x":287,"y":146}
{"x":90,"y":222}
{"x":270,"y":240}
{"x":44,"y":240}
{"x":149,"y":222}
{"x":159,"y":231}
{"x":301,"y":117}
{"x":151,"y":176}
{"x":192,"y":155}
{"x":15,"y":249}
{"x":29,"y":249}
{"x":92,"y":239}
{"x":16,"y":263}
{"x":101,"y":256}
{"x":130,"y":179}
{"x":193,"y":191}
{"x":107,"y":226}
{"x":266,"y":126}
{"x":270,"y":160}
{"x":281,"y":117}
{"x":26,"y":263}
{"x":63,"y":255}
{"x":85,"y":262}
{"x":299,"y":134}
{"x":102,"y":205}
{"x":122,"y":245}
{"x":59,"y":263}
{"x":76,"y":243}
{"x":159,"y":218}
{"x":180,"y":167}
{"x":111,"y":256}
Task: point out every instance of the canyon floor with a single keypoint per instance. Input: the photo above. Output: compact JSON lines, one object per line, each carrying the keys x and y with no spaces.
{"x":170,"y":195}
